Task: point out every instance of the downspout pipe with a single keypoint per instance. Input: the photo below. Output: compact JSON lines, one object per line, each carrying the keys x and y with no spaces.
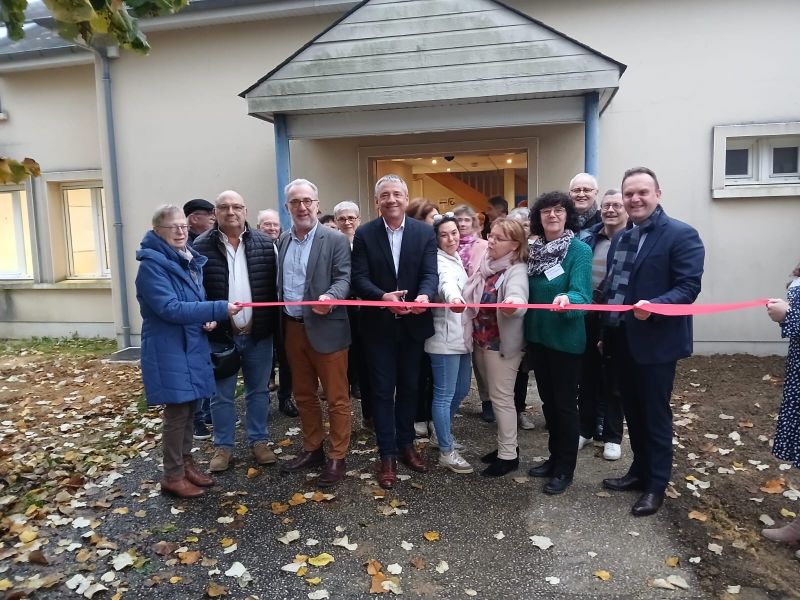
{"x":105,"y":54}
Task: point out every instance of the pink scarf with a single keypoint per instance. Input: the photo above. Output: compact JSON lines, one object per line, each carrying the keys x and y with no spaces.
{"x":473,"y":289}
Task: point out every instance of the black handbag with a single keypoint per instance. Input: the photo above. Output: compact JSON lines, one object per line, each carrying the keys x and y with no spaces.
{"x":226,"y":361}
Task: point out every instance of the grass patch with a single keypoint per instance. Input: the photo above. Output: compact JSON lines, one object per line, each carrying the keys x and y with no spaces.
{"x":78,"y":347}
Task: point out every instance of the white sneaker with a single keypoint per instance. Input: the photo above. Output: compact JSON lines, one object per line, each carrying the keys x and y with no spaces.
{"x":582,"y":441}
{"x":455,"y":462}
{"x":612,"y":451}
{"x":421,"y":429}
{"x":525,"y":420}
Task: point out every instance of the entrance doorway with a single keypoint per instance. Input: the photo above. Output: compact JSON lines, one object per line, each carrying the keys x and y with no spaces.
{"x":468,"y":177}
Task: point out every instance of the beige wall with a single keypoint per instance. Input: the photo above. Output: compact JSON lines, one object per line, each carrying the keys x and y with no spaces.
{"x":52,"y":117}
{"x":183,"y":132}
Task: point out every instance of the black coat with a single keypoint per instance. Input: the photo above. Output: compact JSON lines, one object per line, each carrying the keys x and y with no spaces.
{"x":261,"y":270}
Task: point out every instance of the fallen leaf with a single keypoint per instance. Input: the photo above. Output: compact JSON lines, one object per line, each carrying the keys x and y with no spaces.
{"x":715,"y":548}
{"x":541,"y":541}
{"x":374,"y":567}
{"x":431,"y":536}
{"x":215,"y":590}
{"x":120,"y":561}
{"x":278,"y":508}
{"x":319,"y":595}
{"x":733,"y":589}
{"x":418,"y":563}
{"x":345,"y":543}
{"x":321,"y":560}
{"x":237,"y":570}
{"x":296,"y":499}
{"x":767,"y":520}
{"x":27,"y":535}
{"x":5,"y":584}
{"x":602,"y":575}
{"x":773,"y":486}
{"x":189,"y":558}
{"x":241,"y":510}
{"x":252,"y":472}
{"x":672,"y":561}
{"x":394,"y":569}
{"x":225,"y":542}
{"x":376,"y":585}
{"x":313,"y":580}
{"x":499,"y":535}
{"x":163,"y":548}
{"x":406,"y":545}
{"x":290,"y":537}
{"x":175,"y":579}
{"x":442,"y":567}
{"x":787,"y":513}
{"x":552,"y":580}
{"x":698,"y":516}
{"x":662,"y":584}
{"x":470,"y":592}
{"x":678,"y":581}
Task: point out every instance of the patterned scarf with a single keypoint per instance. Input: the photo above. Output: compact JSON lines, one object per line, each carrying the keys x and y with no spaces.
{"x":587,"y":215}
{"x":616,"y":284}
{"x":465,"y":249}
{"x":544,"y":255}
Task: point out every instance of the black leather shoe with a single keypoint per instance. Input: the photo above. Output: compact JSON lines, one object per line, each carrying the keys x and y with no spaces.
{"x":305,"y":460}
{"x":543,"y":470}
{"x":624,"y":483}
{"x":501,"y":467}
{"x":287,"y":407}
{"x":648,"y":504}
{"x":557,"y":485}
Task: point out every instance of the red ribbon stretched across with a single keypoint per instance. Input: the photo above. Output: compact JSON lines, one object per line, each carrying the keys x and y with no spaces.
{"x":671,"y":310}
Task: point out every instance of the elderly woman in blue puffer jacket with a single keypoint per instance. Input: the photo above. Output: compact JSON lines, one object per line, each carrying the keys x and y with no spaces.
{"x":176,"y":362}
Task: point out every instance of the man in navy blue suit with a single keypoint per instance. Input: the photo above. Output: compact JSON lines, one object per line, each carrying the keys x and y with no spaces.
{"x":659,"y":260}
{"x":394,"y":259}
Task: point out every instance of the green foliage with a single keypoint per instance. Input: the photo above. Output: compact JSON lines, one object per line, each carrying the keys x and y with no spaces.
{"x":96,"y":22}
{"x":14,"y":171}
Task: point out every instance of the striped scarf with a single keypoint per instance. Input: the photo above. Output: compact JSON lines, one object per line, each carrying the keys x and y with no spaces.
{"x":616,"y":284}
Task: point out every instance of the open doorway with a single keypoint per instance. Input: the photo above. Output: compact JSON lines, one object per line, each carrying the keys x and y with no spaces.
{"x":468,"y":177}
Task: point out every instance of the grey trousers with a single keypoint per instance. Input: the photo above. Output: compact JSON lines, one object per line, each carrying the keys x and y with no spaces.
{"x":176,"y":439}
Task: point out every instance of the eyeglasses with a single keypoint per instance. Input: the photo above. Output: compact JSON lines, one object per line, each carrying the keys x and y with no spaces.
{"x":174,"y":228}
{"x":449,"y":215}
{"x":615,"y":206}
{"x":295,"y":202}
{"x":233,"y":207}
{"x":584,"y":190}
{"x":559,"y":211}
{"x":347,"y":219}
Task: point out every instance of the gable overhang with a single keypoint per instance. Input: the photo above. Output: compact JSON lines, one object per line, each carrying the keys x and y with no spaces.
{"x":432,"y":65}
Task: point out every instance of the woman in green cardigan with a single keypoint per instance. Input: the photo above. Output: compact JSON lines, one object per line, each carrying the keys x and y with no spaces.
{"x":559,"y":273}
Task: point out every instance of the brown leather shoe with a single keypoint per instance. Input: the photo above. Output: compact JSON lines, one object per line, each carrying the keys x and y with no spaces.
{"x":332,"y":474}
{"x":305,"y":460}
{"x":195,"y":475}
{"x":387,"y":472}
{"x":180,"y":487}
{"x":410,"y":458}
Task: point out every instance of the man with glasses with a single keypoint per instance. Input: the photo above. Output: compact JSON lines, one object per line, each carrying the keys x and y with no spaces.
{"x":394,"y":259}
{"x":583,"y":192}
{"x":241,"y":267}
{"x":599,"y":403}
{"x":314,"y":264}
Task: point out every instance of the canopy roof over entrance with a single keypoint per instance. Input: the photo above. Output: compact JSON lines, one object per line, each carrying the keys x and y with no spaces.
{"x":387,"y":64}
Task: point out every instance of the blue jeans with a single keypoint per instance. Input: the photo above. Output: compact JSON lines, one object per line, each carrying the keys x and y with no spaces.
{"x":256,"y":362}
{"x":203,"y":411}
{"x":451,"y":378}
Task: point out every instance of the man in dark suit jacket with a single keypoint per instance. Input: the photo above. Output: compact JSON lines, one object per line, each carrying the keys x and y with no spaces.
{"x":657,"y":260}
{"x":394,"y":259}
{"x":314,"y":264}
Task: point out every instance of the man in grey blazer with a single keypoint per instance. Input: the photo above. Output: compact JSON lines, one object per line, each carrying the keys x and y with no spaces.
{"x":314,"y":264}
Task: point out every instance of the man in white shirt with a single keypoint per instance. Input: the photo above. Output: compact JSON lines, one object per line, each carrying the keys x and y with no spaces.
{"x":241,"y":267}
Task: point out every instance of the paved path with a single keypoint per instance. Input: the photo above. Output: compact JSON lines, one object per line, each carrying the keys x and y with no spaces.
{"x":589,"y":532}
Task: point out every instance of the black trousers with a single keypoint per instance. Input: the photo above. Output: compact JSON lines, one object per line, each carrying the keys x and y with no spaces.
{"x":646,"y":392}
{"x":557,"y":375}
{"x":357,"y":370}
{"x":599,"y":400}
{"x":425,"y":397}
{"x":521,"y":384}
{"x":394,"y":366}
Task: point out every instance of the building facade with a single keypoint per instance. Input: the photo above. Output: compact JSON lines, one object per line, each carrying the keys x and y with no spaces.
{"x":464,"y":98}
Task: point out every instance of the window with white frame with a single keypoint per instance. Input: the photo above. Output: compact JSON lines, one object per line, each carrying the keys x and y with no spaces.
{"x":87,"y":240}
{"x":756,"y":160}
{"x":16,"y":259}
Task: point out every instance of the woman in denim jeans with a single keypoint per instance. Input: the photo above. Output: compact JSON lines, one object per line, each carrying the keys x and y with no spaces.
{"x":450,"y":360}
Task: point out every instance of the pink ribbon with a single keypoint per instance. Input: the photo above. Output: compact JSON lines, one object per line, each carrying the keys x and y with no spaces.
{"x":670,"y":310}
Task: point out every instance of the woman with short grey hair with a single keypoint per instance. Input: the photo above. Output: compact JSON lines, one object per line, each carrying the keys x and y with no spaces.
{"x":175,"y":355}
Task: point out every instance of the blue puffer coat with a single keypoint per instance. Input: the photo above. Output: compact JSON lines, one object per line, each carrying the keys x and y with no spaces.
{"x":176,"y":363}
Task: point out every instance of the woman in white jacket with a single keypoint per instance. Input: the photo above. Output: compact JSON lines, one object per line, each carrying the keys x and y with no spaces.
{"x":450,"y":360}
